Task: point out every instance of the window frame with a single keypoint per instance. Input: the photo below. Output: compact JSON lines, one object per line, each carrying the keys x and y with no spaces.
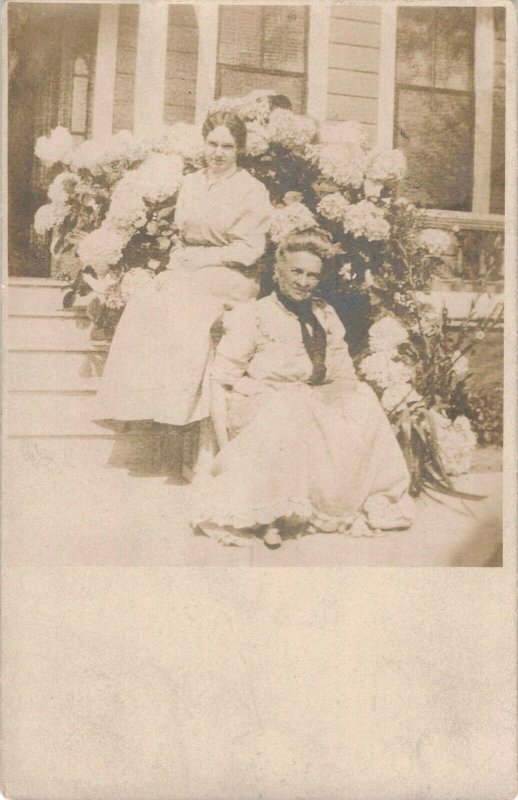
{"x":483,"y":97}
{"x":265,"y":70}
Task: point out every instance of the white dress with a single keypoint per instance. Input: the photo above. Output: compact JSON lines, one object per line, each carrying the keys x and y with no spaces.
{"x":322,"y":455}
{"x":159,"y":359}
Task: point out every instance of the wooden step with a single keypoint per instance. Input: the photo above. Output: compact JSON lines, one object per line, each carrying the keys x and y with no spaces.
{"x":49,"y":331}
{"x":59,"y":369}
{"x":35,"y":295}
{"x":40,"y":413}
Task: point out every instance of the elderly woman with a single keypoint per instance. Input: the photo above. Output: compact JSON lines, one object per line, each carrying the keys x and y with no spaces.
{"x":304,"y":443}
{"x":157,"y":366}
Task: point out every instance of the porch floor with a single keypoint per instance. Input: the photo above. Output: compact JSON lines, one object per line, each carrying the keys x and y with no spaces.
{"x":66,"y":510}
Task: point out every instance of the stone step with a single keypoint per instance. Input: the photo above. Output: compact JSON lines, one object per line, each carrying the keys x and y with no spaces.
{"x":35,"y":295}
{"x":64,"y":370}
{"x":49,"y":331}
{"x":52,"y":413}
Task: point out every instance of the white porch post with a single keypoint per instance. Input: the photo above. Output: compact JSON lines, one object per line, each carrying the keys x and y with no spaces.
{"x":148,"y":111}
{"x":105,"y":62}
{"x":318,"y":59}
{"x":207,"y":16}
{"x":484,"y":77}
{"x":387,"y":76}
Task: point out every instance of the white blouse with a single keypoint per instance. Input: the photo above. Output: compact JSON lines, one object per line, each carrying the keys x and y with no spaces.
{"x":224,"y":219}
{"x":262,"y":343}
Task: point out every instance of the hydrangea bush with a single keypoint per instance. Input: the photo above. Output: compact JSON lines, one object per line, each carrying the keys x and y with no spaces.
{"x":112,"y":204}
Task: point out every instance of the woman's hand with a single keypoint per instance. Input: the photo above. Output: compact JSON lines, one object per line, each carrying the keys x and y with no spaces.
{"x":330,"y":392}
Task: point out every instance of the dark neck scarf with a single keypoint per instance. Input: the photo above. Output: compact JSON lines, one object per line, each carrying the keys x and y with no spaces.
{"x":313,"y":335}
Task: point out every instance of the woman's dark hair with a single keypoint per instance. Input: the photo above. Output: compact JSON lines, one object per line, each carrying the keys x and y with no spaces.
{"x":232,"y":122}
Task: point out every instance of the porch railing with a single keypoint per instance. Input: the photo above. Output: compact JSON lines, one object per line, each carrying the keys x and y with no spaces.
{"x":475,"y":260}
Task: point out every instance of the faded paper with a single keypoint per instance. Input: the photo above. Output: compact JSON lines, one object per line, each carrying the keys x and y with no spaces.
{"x":137,"y":660}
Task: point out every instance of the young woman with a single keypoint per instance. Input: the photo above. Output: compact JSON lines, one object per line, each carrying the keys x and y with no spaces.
{"x":157,"y":366}
{"x":303,"y":441}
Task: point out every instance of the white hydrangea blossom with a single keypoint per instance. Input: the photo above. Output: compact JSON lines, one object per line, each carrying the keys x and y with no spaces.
{"x":366,"y":219}
{"x":62,"y":187}
{"x":122,"y":147}
{"x":381,"y":369}
{"x":101,"y":248}
{"x":88,"y":155}
{"x":342,"y":164}
{"x":288,"y":129}
{"x":456,"y":441}
{"x":382,"y":166}
{"x":333,"y":206}
{"x":159,"y":176}
{"x":182,"y":139}
{"x":256,"y":141}
{"x":55,"y":148}
{"x":127,"y":210}
{"x":435,"y":241}
{"x":290,"y":218}
{"x":386,"y":334}
{"x":47,"y":217}
{"x":253,"y":106}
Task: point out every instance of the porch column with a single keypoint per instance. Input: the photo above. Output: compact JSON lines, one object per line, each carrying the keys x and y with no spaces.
{"x":318,"y":50}
{"x":105,"y":62}
{"x":148,"y":113}
{"x":387,"y":76}
{"x":484,"y":77}
{"x":207,"y":16}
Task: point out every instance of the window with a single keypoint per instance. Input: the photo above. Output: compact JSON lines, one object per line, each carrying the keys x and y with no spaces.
{"x":263,"y":47}
{"x":435,"y":102}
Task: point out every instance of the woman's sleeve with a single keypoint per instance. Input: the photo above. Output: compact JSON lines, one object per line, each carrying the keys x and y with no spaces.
{"x":247,"y":236}
{"x":236,"y":346}
{"x":342,"y":367}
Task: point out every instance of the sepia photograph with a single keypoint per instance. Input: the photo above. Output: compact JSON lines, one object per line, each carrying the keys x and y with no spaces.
{"x":255,"y":284}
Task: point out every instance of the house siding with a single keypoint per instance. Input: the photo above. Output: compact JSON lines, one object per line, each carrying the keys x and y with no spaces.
{"x":124,"y":90}
{"x":353,"y":68}
{"x":181,"y":65}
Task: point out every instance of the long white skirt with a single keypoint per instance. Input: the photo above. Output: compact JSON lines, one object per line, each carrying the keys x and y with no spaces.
{"x":305,"y":460}
{"x":158,"y":365}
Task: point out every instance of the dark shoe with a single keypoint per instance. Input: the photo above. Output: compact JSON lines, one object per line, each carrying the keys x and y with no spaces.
{"x":272,"y":539}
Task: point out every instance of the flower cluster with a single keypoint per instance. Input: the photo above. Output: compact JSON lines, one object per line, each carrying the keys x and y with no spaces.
{"x":435,"y":241}
{"x":47,"y":217}
{"x":289,"y":130}
{"x":254,"y":106}
{"x":456,"y":441}
{"x":384,"y":368}
{"x":291,"y":218}
{"x":384,"y":166}
{"x":102,"y":248}
{"x":181,"y":139}
{"x":340,"y":163}
{"x":55,"y":148}
{"x":366,"y":219}
{"x":159,"y":176}
{"x":386,"y":335}
{"x":360,"y":219}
